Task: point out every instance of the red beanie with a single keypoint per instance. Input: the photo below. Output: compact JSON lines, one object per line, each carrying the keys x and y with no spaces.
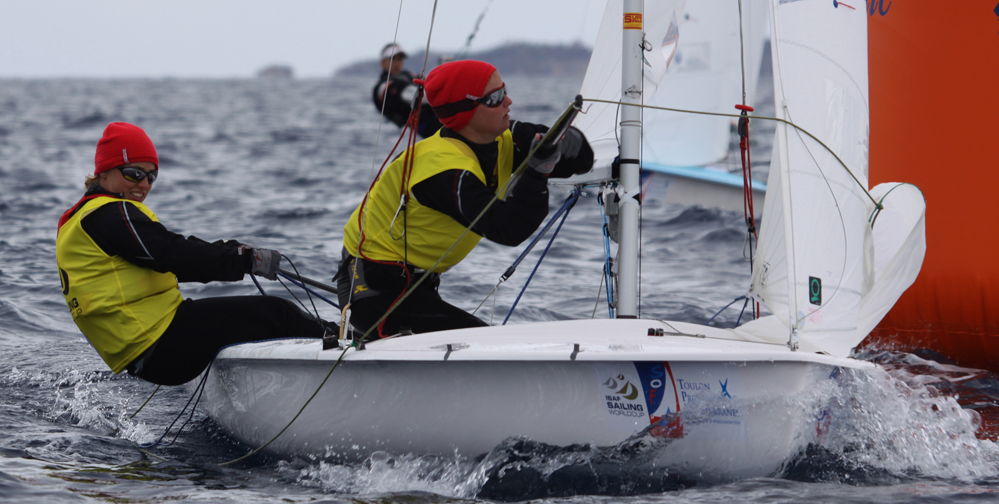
{"x":123,"y":143}
{"x":454,"y":82}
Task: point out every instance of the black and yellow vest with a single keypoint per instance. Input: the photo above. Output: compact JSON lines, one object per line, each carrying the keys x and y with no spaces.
{"x":120,"y":307}
{"x":428,"y":233}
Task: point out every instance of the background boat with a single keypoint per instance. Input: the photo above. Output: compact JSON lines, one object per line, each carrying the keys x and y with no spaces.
{"x":693,"y":159}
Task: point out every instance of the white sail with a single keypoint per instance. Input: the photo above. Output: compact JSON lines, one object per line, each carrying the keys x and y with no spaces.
{"x":706,"y":75}
{"x":810,"y":267}
{"x":603,"y":75}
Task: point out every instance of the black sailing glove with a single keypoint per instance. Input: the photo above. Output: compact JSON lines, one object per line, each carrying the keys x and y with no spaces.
{"x":547,"y":156}
{"x":572,"y":142}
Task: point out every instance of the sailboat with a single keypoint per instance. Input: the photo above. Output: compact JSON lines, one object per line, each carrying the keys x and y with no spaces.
{"x":832,"y":260}
{"x":685,"y":157}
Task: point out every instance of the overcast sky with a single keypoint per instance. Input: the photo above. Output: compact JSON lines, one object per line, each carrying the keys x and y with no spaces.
{"x":235,"y":38}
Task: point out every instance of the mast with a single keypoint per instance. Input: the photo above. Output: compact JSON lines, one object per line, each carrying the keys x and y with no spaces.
{"x":631,"y":149}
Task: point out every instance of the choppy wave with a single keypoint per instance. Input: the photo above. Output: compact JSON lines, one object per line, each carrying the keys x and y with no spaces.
{"x":282,"y":165}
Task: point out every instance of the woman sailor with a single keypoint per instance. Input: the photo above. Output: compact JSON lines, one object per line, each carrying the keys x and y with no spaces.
{"x":119,"y":269}
{"x":450,"y":178}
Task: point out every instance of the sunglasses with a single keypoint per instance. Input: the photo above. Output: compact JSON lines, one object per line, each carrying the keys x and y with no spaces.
{"x":135,"y":174}
{"x":491,"y":99}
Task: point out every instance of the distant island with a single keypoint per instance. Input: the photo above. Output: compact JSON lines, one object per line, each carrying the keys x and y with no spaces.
{"x":509,"y":59}
{"x":276,"y":72}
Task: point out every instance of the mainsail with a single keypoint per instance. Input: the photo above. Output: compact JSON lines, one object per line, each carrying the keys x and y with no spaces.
{"x":603,"y":75}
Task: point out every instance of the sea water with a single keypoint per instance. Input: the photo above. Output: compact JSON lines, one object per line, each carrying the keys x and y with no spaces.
{"x":281,"y":164}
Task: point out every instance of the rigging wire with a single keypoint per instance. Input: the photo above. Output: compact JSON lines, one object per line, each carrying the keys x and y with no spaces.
{"x":597,"y":303}
{"x":742,"y":54}
{"x":463,"y":52}
{"x":765,"y":118}
{"x":388,"y":77}
{"x":646,"y":47}
{"x":569,"y":203}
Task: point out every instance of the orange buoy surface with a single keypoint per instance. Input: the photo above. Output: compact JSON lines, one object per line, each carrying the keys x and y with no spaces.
{"x":934,"y":91}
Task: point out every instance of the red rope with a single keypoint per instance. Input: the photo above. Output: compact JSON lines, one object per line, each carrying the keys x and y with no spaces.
{"x":411,"y":126}
{"x":747,"y":183}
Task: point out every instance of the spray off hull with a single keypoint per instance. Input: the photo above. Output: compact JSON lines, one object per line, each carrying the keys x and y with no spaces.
{"x":724,"y":409}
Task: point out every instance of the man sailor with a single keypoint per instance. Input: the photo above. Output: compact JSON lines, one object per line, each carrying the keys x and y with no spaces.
{"x":388,"y":93}
{"x":448,"y":180}
{"x":119,"y":269}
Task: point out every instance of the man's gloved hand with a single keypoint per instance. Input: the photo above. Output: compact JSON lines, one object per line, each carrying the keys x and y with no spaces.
{"x":572,"y":142}
{"x":264,"y":262}
{"x":545,"y":159}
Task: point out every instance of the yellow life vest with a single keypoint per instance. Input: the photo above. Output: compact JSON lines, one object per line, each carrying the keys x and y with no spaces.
{"x":428,"y":233}
{"x":120,"y":307}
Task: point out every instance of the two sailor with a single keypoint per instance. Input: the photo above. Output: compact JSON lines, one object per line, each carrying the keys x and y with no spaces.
{"x":120,"y":267}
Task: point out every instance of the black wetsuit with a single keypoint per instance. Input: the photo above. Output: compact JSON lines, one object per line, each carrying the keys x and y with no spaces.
{"x":397,"y":109}
{"x":200,"y":327}
{"x":462,"y":196}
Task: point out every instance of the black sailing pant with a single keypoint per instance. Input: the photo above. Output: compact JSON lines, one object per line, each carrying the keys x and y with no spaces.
{"x":423,"y":311}
{"x":202,"y":327}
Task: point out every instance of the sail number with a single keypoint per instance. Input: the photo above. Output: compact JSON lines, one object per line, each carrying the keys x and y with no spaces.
{"x":815,"y":290}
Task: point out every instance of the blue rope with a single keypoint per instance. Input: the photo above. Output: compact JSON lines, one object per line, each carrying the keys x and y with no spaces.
{"x":741,"y":311}
{"x":607,"y":266}
{"x":296,"y":282}
{"x":569,"y":202}
{"x":726,"y":306}
{"x":255,"y":282}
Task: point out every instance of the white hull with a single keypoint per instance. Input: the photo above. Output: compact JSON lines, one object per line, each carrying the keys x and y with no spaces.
{"x":401,"y":396}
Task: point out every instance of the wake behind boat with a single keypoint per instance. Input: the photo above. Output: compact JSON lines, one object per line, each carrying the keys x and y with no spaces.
{"x":832,"y":260}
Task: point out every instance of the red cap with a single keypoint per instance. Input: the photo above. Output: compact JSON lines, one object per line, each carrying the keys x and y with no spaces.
{"x":123,"y":143}
{"x":454,"y":82}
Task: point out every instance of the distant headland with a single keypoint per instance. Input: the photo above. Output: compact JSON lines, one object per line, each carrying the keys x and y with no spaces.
{"x":510,"y":59}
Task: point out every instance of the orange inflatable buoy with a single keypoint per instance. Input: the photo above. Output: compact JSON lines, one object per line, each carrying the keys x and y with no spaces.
{"x":934,"y":94}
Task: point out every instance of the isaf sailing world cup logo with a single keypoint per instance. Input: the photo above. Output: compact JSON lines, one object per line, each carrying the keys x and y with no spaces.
{"x":623,"y":399}
{"x":628,"y":391}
